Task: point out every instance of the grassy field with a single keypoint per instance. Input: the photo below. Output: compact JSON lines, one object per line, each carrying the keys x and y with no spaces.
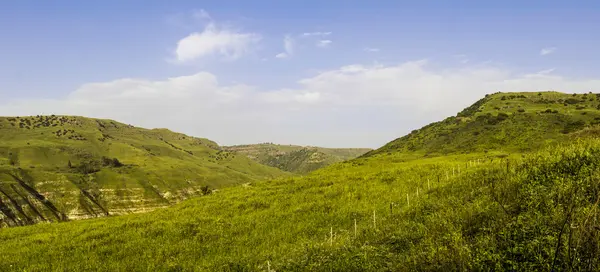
{"x":463,"y":212}
{"x":492,"y":207}
{"x":53,"y":168}
{"x":296,"y":159}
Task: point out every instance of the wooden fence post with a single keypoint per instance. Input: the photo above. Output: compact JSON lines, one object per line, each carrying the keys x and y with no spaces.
{"x":331,"y":236}
{"x":374,"y":221}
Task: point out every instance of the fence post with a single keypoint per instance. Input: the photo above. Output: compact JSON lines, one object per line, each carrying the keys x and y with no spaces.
{"x":331,"y":236}
{"x":374,"y":222}
{"x":354,"y":228}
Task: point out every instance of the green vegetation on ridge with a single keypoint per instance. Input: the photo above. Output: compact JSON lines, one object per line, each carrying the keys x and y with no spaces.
{"x":500,"y":210}
{"x":509,"y":122}
{"x":55,"y":168}
{"x":296,"y":159}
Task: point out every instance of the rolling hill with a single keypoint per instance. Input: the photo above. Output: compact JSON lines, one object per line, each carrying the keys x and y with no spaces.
{"x":429,"y":201}
{"x":504,"y":122}
{"x":296,"y":159}
{"x":56,"y":168}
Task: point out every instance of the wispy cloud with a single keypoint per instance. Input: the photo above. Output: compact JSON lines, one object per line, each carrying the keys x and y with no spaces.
{"x":309,"y":34}
{"x":547,"y":51}
{"x":371,"y":49}
{"x":288,"y":47}
{"x":324,"y":43}
{"x":462,"y":58}
{"x":201,"y":14}
{"x":214,"y":40}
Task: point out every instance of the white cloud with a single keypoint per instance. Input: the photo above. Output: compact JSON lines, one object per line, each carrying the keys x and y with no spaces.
{"x":547,"y":51}
{"x":309,"y":34}
{"x":371,"y":49}
{"x":215,"y":41}
{"x":324,"y":43}
{"x":288,"y":46}
{"x":281,"y":55}
{"x":201,"y":14}
{"x":354,"y":105}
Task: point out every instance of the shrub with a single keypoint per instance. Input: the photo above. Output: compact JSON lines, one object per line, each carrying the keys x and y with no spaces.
{"x":572,"y":101}
{"x":205,"y":190}
{"x":114,"y":162}
{"x":88,"y":167}
{"x":573,"y":126}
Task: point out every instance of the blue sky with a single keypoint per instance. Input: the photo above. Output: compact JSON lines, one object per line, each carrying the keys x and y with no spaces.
{"x":365,"y":73}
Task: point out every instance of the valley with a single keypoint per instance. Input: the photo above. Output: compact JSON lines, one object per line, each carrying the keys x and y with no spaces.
{"x":510,"y":183}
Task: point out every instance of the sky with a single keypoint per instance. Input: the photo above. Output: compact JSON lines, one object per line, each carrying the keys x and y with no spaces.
{"x":322,"y":73}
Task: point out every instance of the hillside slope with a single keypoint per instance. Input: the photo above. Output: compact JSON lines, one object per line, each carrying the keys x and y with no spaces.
{"x":296,"y":159}
{"x":504,"y":122}
{"x":55,"y":168}
{"x":472,"y":211}
{"x":454,"y":213}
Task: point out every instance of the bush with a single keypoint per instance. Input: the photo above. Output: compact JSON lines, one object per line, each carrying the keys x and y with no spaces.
{"x":114,"y":162}
{"x":572,"y":101}
{"x":573,"y":126}
{"x":88,"y":167}
{"x":205,"y":190}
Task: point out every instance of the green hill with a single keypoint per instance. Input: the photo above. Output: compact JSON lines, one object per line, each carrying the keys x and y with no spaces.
{"x":503,"y":122}
{"x":296,"y":159}
{"x":393,"y":210}
{"x":55,"y":168}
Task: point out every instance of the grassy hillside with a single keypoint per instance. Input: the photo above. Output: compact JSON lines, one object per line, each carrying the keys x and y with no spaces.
{"x":395,"y":211}
{"x":55,"y":168}
{"x":296,"y":159}
{"x":455,"y":213}
{"x":509,"y":122}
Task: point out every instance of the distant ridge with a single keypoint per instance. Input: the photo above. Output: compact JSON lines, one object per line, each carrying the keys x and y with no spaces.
{"x":294,"y":158}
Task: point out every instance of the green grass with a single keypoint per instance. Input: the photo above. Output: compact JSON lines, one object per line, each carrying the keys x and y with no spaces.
{"x":485,"y":209}
{"x":70,"y":160}
{"x":510,"y":122}
{"x":490,"y":215}
{"x":296,"y":159}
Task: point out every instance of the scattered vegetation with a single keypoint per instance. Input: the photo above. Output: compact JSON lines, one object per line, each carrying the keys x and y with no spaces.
{"x":89,"y":167}
{"x":296,"y":159}
{"x":498,"y":190}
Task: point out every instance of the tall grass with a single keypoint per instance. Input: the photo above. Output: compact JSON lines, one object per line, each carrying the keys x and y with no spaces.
{"x":538,"y":212}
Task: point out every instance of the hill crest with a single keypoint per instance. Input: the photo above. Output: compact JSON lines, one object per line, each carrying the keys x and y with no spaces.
{"x":506,"y":122}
